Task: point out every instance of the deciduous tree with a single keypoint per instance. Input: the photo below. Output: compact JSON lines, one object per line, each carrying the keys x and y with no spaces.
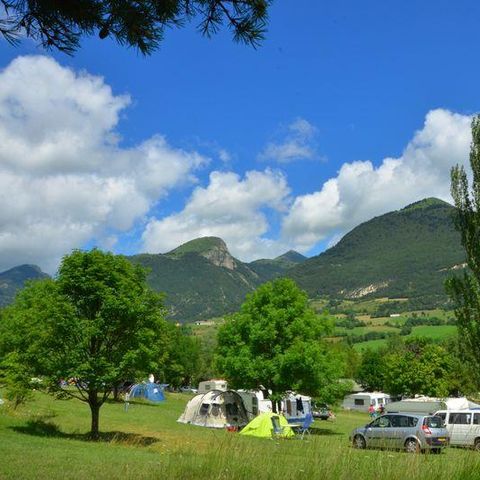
{"x":96,"y":323}
{"x":276,"y":341}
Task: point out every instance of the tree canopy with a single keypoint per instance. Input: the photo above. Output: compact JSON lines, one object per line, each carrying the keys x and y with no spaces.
{"x":96,"y":323}
{"x":275,"y":341}
{"x":413,"y":366}
{"x":140,"y":24}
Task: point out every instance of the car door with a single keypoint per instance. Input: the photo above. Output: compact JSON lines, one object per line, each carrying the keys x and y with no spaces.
{"x":377,"y":432}
{"x":460,"y":425}
{"x":403,"y":426}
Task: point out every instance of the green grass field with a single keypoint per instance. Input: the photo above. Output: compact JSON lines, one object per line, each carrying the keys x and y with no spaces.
{"x":46,"y":440}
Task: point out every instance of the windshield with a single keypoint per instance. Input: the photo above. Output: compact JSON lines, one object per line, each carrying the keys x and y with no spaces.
{"x":433,"y":422}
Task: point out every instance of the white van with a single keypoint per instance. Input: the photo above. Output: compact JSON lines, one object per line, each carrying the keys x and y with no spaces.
{"x":463,"y":427}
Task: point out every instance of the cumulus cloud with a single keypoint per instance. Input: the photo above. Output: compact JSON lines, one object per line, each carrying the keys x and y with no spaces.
{"x":64,"y":177}
{"x":362,"y":190}
{"x":230,"y":207}
{"x":297,"y":144}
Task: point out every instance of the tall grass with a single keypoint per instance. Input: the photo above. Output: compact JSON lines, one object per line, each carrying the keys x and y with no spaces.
{"x":47,"y":439}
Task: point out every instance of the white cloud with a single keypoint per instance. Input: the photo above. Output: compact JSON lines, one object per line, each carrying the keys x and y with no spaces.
{"x":297,"y":144}
{"x":64,"y":178}
{"x":362,"y":190}
{"x":229,"y":207}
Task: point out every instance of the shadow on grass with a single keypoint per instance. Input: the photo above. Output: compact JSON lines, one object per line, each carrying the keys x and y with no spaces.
{"x":322,"y":431}
{"x":42,"y":428}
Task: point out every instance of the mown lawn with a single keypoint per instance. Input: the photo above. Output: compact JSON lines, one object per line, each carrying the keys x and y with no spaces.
{"x":46,"y":439}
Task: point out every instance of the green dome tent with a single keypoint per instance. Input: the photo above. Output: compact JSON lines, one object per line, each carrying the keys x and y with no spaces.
{"x":267,"y":425}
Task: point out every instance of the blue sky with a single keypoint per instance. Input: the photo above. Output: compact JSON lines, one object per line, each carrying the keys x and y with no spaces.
{"x":336,"y":85}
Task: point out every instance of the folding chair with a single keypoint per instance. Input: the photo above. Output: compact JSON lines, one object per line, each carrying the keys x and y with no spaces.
{"x":305,"y":427}
{"x":277,"y":430}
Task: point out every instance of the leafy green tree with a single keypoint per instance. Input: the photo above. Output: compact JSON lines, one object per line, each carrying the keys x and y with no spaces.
{"x":135,"y":23}
{"x":276,"y":341}
{"x":420,"y":366}
{"x":97,"y":323}
{"x":372,"y":369}
{"x":184,"y":364}
{"x":465,"y":289}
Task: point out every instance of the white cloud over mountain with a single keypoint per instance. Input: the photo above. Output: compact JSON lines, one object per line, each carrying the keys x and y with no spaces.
{"x":229,"y":207}
{"x":67,"y":181}
{"x":362,"y":190}
{"x":64,"y":178}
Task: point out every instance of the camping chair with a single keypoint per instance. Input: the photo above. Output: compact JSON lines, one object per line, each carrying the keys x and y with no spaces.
{"x":277,"y":430}
{"x":305,"y":426}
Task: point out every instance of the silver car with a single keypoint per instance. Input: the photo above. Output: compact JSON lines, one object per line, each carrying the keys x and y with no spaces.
{"x":409,"y":431}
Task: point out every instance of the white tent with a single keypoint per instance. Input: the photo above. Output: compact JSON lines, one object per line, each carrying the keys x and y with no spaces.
{"x":215,"y":409}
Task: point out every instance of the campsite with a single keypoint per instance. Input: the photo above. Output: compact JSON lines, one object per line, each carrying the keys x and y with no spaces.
{"x":48,"y":439}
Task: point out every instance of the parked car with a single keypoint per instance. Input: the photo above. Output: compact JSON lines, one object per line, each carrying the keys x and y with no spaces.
{"x":188,"y":389}
{"x":409,"y":431}
{"x":321,"y":411}
{"x":463,"y":427}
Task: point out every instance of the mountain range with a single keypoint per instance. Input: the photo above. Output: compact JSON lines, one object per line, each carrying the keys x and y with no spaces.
{"x":403,"y":254}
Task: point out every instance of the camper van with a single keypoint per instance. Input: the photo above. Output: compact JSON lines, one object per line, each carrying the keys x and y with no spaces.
{"x":463,"y":426}
{"x":207,"y":385}
{"x":361,"y":401}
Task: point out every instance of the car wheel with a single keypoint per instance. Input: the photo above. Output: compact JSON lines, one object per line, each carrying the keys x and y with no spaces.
{"x":411,"y":446}
{"x":476,"y":445}
{"x":436,"y":451}
{"x":359,"y":442}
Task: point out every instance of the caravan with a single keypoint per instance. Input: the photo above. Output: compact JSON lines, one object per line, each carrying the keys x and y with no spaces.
{"x":361,"y":401}
{"x":296,"y":407}
{"x":256,"y":402}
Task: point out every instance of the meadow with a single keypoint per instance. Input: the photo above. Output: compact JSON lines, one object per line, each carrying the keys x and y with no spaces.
{"x":47,"y":439}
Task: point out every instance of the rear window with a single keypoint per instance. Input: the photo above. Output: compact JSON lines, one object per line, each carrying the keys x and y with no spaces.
{"x":433,"y":422}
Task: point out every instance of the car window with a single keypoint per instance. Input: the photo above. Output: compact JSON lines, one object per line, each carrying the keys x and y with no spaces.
{"x":442,"y":415}
{"x":404,"y":421}
{"x":460,"y":418}
{"x":381,"y":422}
{"x":433,"y":422}
{"x":476,"y":418}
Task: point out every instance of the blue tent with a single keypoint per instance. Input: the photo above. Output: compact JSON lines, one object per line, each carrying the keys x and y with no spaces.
{"x":147,"y":391}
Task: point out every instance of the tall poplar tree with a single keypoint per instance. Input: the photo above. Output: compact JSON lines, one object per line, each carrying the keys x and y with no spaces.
{"x":465,"y":289}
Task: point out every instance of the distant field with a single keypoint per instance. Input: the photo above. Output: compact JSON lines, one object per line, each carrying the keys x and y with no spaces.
{"x":372,"y":344}
{"x":45,"y":440}
{"x":440,"y":331}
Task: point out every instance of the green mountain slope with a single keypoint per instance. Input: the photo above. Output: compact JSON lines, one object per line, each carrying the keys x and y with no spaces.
{"x":202,"y":280}
{"x":14,"y":279}
{"x":406,"y":253}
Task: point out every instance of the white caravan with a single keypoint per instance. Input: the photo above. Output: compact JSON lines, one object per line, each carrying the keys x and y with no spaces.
{"x":256,"y":402}
{"x":214,"y":384}
{"x":296,"y":407}
{"x":362,"y":401}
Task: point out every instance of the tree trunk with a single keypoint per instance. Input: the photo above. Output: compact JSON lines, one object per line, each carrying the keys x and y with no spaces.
{"x":95,"y":411}
{"x":116,"y":392}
